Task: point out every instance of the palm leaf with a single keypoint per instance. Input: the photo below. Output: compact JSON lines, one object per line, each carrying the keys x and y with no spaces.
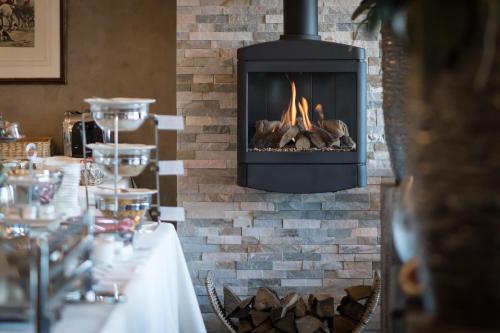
{"x":365,"y":5}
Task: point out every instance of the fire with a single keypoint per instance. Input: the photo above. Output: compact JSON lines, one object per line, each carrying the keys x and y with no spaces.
{"x":304,"y":111}
{"x":290,"y":115}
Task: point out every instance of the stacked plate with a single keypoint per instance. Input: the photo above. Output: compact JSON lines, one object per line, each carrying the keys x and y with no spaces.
{"x":66,"y":199}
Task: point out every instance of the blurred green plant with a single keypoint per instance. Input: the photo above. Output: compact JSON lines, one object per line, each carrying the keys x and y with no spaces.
{"x":439,"y":32}
{"x":376,"y":12}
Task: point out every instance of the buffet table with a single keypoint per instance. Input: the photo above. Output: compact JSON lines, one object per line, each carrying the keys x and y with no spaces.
{"x":159,"y":294}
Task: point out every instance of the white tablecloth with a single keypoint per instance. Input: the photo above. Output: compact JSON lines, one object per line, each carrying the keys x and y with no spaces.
{"x":158,"y":288}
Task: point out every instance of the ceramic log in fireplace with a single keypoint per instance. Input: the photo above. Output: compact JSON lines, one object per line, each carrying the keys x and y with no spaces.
{"x":301,"y":110}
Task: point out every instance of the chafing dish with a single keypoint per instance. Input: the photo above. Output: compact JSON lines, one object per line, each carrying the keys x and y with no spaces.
{"x":36,"y":273}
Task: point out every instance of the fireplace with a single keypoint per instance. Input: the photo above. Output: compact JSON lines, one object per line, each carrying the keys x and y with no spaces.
{"x":301,"y":110}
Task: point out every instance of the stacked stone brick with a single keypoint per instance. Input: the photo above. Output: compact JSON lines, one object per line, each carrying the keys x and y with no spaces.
{"x":252,"y":238}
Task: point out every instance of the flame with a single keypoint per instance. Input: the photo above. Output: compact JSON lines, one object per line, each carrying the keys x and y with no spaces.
{"x":289,"y":117}
{"x":304,"y":112}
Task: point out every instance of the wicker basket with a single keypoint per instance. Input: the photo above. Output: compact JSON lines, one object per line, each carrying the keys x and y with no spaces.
{"x":15,"y":150}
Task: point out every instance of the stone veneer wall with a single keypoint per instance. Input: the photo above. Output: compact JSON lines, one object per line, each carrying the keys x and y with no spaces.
{"x":252,"y":238}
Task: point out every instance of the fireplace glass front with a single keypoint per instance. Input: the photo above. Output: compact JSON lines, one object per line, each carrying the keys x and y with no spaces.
{"x":302,"y":111}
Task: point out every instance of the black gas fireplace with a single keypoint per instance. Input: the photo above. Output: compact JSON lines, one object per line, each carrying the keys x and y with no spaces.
{"x":301,"y":110}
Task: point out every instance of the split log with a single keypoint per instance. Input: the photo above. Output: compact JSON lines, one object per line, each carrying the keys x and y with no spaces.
{"x":260,"y":133}
{"x":302,"y":142}
{"x":276,"y":314}
{"x":243,"y":309}
{"x":358,"y":293}
{"x":327,"y":137}
{"x":267,"y":313}
{"x":245,"y":326}
{"x":258,"y":317}
{"x":231,"y":300}
{"x":265,"y":134}
{"x":343,"y":324}
{"x":350,"y":308}
{"x":289,"y":302}
{"x":246,"y":302}
{"x":322,"y":305}
{"x":300,"y":124}
{"x":317,"y":140}
{"x":308,"y":324}
{"x":265,"y":126}
{"x":241,"y":313}
{"x":348,"y":142}
{"x":300,"y":308}
{"x":344,"y":128}
{"x":266,"y":299}
{"x":287,"y":323}
{"x":263,"y":327}
{"x":337,"y":128}
{"x":288,"y":136}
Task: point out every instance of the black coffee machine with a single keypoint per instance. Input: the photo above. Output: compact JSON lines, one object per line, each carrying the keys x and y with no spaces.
{"x":73,"y":133}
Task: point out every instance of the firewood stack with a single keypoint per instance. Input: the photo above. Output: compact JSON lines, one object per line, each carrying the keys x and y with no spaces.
{"x":352,"y":308}
{"x":302,"y":134}
{"x":267,"y":313}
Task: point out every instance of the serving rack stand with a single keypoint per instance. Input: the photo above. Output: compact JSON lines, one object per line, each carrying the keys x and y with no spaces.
{"x":161,"y":168}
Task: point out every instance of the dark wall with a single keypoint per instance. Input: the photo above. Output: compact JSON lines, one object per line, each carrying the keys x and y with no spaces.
{"x":115,"y":48}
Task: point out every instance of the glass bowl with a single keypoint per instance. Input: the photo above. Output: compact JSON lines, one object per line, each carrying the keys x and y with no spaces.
{"x":132,"y":158}
{"x":132,"y":203}
{"x":131,"y":112}
{"x":44,"y":182}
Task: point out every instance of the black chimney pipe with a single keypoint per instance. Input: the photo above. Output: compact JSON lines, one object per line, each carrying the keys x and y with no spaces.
{"x":301,"y":19}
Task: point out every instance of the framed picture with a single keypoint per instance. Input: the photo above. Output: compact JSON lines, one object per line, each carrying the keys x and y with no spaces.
{"x":32,"y":41}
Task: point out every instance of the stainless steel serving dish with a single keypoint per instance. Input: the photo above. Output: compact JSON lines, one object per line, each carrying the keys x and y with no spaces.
{"x":132,"y":203}
{"x":16,"y":274}
{"x":36,"y":273}
{"x":131,"y":112}
{"x":132,"y":158}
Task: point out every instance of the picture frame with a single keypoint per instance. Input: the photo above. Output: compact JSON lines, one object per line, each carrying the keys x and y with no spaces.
{"x":33,"y":41}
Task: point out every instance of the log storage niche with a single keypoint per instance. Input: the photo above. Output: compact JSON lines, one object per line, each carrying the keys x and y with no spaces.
{"x":301,"y":110}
